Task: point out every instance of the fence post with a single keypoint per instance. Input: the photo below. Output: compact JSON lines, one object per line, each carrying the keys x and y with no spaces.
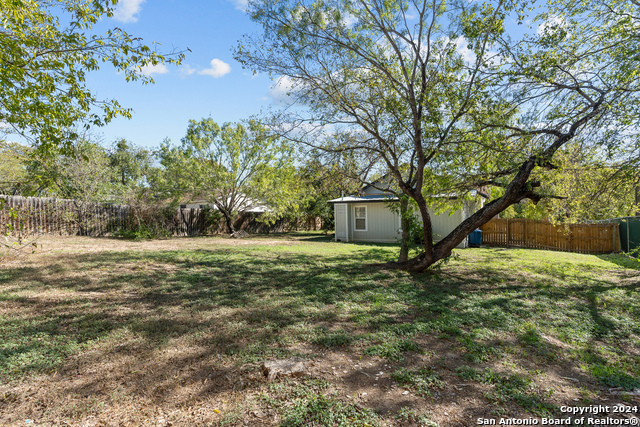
{"x":30,"y":217}
{"x":570,"y":239}
{"x":12,"y":205}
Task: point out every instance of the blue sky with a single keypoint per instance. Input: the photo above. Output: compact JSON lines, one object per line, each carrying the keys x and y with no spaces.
{"x":208,"y":83}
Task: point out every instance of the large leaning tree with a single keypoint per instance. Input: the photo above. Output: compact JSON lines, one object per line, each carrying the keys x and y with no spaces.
{"x":444,"y":98}
{"x":46,"y":50}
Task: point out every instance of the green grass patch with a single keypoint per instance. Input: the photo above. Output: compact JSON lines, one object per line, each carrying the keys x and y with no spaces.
{"x":422,"y":381}
{"x":485,"y":376}
{"x":478,"y":352}
{"x":416,"y":418}
{"x":530,"y":335}
{"x":392,"y":349}
{"x":614,"y":376}
{"x":333,"y":339}
{"x":307,"y":404}
{"x":509,"y":388}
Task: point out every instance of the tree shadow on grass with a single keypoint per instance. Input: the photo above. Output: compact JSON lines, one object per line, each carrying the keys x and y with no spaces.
{"x":164,"y":319}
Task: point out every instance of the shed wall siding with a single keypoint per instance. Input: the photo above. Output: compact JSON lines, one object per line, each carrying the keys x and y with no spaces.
{"x":340,"y":221}
{"x":444,"y":224}
{"x":382,"y":224}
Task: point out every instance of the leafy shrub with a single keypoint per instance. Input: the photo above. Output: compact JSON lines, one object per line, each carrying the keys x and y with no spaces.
{"x":148,"y":220}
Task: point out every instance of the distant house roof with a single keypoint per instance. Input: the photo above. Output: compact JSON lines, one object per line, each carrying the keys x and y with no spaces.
{"x":382,"y":182}
{"x":247,"y":205}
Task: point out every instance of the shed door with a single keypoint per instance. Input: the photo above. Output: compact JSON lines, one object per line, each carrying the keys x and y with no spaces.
{"x":341,"y":221}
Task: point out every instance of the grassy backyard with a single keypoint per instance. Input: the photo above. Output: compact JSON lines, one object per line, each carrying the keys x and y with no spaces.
{"x":173,"y":332}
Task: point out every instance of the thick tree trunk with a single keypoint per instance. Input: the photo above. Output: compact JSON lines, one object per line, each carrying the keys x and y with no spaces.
{"x":517,"y":190}
{"x":427,"y":257}
{"x":229,"y":221}
{"x":404,"y":223}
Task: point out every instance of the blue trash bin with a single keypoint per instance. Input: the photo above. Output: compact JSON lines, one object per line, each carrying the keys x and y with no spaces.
{"x":475,"y":238}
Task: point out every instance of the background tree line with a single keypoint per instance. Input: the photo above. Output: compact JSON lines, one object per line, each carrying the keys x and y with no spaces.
{"x":233,"y":167}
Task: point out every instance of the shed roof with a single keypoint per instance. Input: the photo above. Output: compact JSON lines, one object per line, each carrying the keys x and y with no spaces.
{"x":246,"y":205}
{"x":368,"y":199}
{"x":392,"y":198}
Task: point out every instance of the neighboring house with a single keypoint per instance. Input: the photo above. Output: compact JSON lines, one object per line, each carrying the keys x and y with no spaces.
{"x":248,"y":205}
{"x":368,"y":218}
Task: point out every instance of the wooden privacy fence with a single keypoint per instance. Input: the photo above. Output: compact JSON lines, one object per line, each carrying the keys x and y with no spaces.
{"x":629,"y":231}
{"x":27,"y":216}
{"x":528,"y":233}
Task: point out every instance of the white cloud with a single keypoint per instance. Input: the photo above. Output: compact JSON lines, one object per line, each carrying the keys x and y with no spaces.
{"x":462,"y":48}
{"x":469,"y":56}
{"x":187,"y":70}
{"x":349,"y":20}
{"x":279,"y":91}
{"x":550,"y":26}
{"x":148,"y":70}
{"x":241,"y":4}
{"x":218,"y":69}
{"x":127,"y":10}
